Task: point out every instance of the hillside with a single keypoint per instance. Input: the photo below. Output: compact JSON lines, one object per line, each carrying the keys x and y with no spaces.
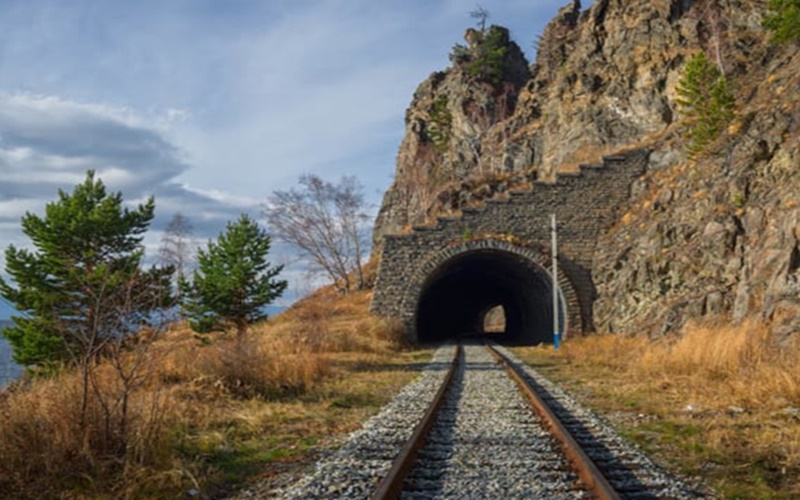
{"x":709,"y":237}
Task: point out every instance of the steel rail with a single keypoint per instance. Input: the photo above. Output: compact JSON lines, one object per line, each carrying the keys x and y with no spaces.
{"x":591,"y":476}
{"x":391,"y":485}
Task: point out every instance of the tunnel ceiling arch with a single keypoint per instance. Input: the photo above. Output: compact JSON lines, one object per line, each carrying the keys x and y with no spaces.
{"x":450,"y":293}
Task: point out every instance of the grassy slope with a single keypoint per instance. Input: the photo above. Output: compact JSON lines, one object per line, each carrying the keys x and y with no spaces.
{"x":211,"y":416}
{"x":719,"y":402}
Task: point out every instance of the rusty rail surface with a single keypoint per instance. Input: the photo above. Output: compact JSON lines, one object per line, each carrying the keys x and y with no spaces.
{"x":391,"y":485}
{"x":591,"y":476}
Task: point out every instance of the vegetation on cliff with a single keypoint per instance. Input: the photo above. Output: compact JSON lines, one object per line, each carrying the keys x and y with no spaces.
{"x":485,"y":58}
{"x":706,"y":101}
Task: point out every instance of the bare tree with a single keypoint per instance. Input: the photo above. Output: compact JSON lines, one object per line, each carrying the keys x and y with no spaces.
{"x":324,"y":221}
{"x":713,"y":17}
{"x":480,"y":15}
{"x":136,"y":317}
{"x":177,"y":247}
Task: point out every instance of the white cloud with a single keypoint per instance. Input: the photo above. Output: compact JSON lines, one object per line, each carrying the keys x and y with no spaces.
{"x":48,"y":143}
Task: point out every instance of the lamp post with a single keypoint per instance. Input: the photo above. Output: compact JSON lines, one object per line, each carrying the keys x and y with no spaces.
{"x":556,"y":333}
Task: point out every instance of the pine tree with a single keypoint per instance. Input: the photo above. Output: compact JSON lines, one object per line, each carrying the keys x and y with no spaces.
{"x":234,"y":281}
{"x":82,"y":286}
{"x":488,"y":62}
{"x":706,"y":100}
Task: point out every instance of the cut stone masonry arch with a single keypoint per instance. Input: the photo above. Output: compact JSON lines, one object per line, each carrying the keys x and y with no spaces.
{"x":520,"y":280}
{"x":436,"y":278}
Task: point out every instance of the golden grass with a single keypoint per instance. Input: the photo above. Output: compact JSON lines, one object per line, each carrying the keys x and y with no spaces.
{"x":46,"y":451}
{"x":744,"y":364}
{"x":211,"y":413}
{"x":718,"y":401}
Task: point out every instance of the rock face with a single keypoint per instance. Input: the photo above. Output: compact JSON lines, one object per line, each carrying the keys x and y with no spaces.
{"x":720,"y":236}
{"x":449,"y":128}
{"x":714,"y":236}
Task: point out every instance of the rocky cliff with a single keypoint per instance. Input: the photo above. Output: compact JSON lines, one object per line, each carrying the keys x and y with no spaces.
{"x":714,"y":235}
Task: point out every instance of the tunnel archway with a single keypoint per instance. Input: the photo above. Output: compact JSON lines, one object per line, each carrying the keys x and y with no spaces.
{"x":453,"y":292}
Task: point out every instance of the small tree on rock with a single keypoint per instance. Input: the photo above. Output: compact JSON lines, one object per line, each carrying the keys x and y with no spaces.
{"x":706,"y":101}
{"x":480,"y":15}
{"x":234,"y":280}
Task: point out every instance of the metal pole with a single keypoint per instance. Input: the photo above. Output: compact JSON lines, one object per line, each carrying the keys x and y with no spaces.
{"x":556,"y":333}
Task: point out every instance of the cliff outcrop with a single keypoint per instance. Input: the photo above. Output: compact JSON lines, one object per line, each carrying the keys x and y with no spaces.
{"x":720,"y":236}
{"x":711,"y":236}
{"x":451,"y":126}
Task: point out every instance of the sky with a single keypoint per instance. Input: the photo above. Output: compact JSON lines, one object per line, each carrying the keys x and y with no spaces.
{"x":210,"y":105}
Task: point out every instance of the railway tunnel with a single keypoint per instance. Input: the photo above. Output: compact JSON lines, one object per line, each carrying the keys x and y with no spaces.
{"x":456,"y":296}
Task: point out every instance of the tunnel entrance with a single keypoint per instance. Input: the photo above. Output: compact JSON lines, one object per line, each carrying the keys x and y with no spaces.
{"x":458,"y":296}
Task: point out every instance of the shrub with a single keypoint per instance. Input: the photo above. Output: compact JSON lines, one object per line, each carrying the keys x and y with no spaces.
{"x":255,"y":366}
{"x":47,"y":455}
{"x":460,"y":54}
{"x":784,"y":21}
{"x":440,"y":123}
{"x":706,"y":100}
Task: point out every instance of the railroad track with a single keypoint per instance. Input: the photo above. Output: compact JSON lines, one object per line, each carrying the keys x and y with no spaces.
{"x":480,"y":424}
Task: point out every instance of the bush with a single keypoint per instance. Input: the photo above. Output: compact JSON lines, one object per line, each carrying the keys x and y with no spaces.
{"x":460,"y":54}
{"x":440,"y":124}
{"x":784,"y":21}
{"x":46,"y":454}
{"x":263,"y":366}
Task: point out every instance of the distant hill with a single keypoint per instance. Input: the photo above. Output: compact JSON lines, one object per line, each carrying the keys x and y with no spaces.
{"x":8,"y":370}
{"x":5,"y":311}
{"x":273,"y":311}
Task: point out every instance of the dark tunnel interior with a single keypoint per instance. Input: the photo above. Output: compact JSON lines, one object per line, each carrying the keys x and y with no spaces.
{"x":457,"y":296}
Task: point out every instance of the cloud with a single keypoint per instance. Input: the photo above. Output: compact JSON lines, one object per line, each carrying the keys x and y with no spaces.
{"x":48,"y":143}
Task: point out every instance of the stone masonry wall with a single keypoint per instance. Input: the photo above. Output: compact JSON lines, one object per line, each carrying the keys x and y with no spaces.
{"x":584,"y":203}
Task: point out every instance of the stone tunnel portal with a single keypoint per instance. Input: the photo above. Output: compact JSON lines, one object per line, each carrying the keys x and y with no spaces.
{"x":456,"y":297}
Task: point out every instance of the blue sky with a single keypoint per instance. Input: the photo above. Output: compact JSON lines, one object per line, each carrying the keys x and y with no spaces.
{"x":211,"y":104}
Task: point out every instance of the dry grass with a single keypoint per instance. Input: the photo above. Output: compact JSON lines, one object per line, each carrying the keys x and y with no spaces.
{"x":213,"y":413}
{"x":46,"y":451}
{"x":719,"y":401}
